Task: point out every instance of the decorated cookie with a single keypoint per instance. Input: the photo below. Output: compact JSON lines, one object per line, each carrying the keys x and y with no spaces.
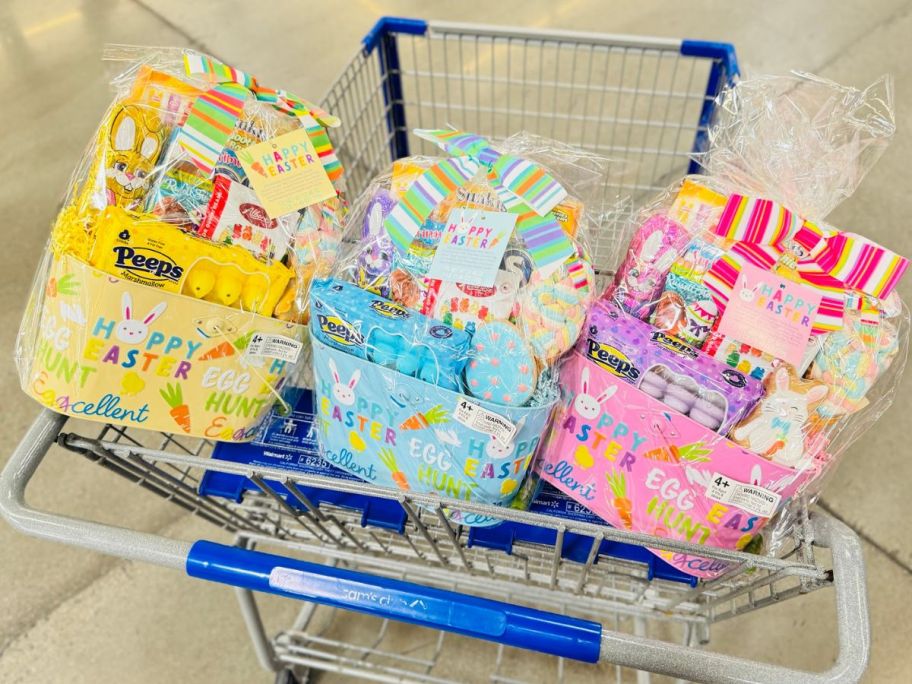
{"x":502,"y":368}
{"x":553,"y":308}
{"x":776,"y":428}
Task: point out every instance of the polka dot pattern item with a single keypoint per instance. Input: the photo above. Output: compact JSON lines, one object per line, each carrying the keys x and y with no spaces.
{"x":502,"y":368}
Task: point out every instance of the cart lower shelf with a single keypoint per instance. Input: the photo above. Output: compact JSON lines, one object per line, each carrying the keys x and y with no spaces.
{"x":533,"y":596}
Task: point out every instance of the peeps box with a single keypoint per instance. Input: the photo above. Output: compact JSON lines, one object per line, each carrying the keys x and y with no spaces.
{"x":398,"y":431}
{"x":102,"y":348}
{"x":643,"y":466}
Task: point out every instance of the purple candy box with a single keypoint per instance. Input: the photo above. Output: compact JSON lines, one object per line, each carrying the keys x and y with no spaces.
{"x":685,"y":379}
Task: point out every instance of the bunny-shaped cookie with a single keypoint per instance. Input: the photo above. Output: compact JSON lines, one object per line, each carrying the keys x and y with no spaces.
{"x":775,"y":428}
{"x":133,"y":331}
{"x":135,"y":142}
{"x":585,"y":404}
{"x":344,"y":393}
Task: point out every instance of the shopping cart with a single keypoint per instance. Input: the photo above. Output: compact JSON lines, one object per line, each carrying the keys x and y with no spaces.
{"x":545,"y":581}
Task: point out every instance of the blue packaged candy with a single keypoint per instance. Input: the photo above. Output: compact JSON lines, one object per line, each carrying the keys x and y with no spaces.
{"x":372,"y":327}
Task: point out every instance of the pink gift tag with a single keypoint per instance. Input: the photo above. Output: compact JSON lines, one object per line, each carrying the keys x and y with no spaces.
{"x":771,"y":313}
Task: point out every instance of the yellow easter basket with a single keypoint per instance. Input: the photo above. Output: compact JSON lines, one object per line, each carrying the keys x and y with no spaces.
{"x":101,"y":348}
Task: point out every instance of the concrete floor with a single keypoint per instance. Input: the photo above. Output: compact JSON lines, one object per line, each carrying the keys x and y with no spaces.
{"x":68,"y":615}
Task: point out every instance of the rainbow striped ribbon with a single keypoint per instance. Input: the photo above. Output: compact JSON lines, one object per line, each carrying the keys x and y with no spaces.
{"x":215,"y":113}
{"x":832,"y":262}
{"x":524,"y":188}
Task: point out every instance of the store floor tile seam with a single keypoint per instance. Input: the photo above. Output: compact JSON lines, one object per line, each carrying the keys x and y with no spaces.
{"x":890,"y":555}
{"x":177,"y":28}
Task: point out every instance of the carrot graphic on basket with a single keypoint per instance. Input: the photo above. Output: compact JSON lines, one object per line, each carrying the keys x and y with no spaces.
{"x":226,"y":348}
{"x":220,"y":350}
{"x":174,"y":397}
{"x":66,"y":285}
{"x":617,"y":482}
{"x":388,"y":458}
{"x":435,"y":416}
{"x":692,"y":453}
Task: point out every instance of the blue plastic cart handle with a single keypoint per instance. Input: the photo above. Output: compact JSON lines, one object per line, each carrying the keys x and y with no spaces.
{"x":481,"y":618}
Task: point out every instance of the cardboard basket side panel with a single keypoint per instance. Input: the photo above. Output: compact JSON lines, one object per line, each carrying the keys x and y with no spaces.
{"x":119,"y":352}
{"x":642,"y":466}
{"x":397,"y":431}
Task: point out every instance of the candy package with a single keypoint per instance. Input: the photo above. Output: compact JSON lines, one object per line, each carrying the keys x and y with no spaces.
{"x":174,"y":288}
{"x":752,"y":341}
{"x":462,"y":281}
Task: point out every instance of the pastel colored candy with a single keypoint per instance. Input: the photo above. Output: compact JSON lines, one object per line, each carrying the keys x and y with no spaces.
{"x":371,"y":327}
{"x":654,"y":384}
{"x":649,"y":354}
{"x":704,"y":418}
{"x":708,"y":408}
{"x":682,"y":394}
{"x":851,"y":360}
{"x":677,"y":403}
{"x":502,"y":369}
{"x":553,"y":308}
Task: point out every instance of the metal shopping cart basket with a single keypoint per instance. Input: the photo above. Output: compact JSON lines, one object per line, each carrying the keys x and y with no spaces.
{"x":545,"y":581}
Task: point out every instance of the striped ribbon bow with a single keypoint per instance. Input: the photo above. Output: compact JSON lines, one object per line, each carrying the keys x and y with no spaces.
{"x":215,"y":113}
{"x":839,"y":265}
{"x":524,"y":189}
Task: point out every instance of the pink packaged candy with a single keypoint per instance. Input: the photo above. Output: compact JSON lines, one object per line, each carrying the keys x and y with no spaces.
{"x":683,"y":378}
{"x":640,"y":278}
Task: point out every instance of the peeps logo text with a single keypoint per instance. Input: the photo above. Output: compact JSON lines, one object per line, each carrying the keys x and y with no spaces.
{"x":148,"y":263}
{"x":612,"y":360}
{"x":389,"y":309}
{"x":339,"y":331}
{"x":673,"y":344}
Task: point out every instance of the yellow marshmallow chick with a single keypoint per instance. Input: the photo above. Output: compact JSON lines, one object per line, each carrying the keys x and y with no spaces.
{"x":200,"y":280}
{"x":253,"y":293}
{"x":228,"y":285}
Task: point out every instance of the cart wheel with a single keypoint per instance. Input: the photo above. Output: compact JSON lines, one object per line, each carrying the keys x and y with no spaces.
{"x":288,"y":676}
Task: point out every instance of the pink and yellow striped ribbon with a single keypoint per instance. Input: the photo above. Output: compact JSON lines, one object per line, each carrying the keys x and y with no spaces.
{"x":836,"y":264}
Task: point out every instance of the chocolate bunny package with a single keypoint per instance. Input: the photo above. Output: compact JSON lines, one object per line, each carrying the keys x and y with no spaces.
{"x":174,"y":287}
{"x":743,"y":343}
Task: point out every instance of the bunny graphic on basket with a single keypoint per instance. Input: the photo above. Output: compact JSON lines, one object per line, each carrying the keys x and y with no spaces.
{"x":775,"y":428}
{"x":585,"y":404}
{"x":135,"y":141}
{"x":344,"y":393}
{"x":133,"y":331}
{"x":497,"y":450}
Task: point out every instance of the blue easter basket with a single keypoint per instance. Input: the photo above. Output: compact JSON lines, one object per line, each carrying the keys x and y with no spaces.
{"x":397,"y":431}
